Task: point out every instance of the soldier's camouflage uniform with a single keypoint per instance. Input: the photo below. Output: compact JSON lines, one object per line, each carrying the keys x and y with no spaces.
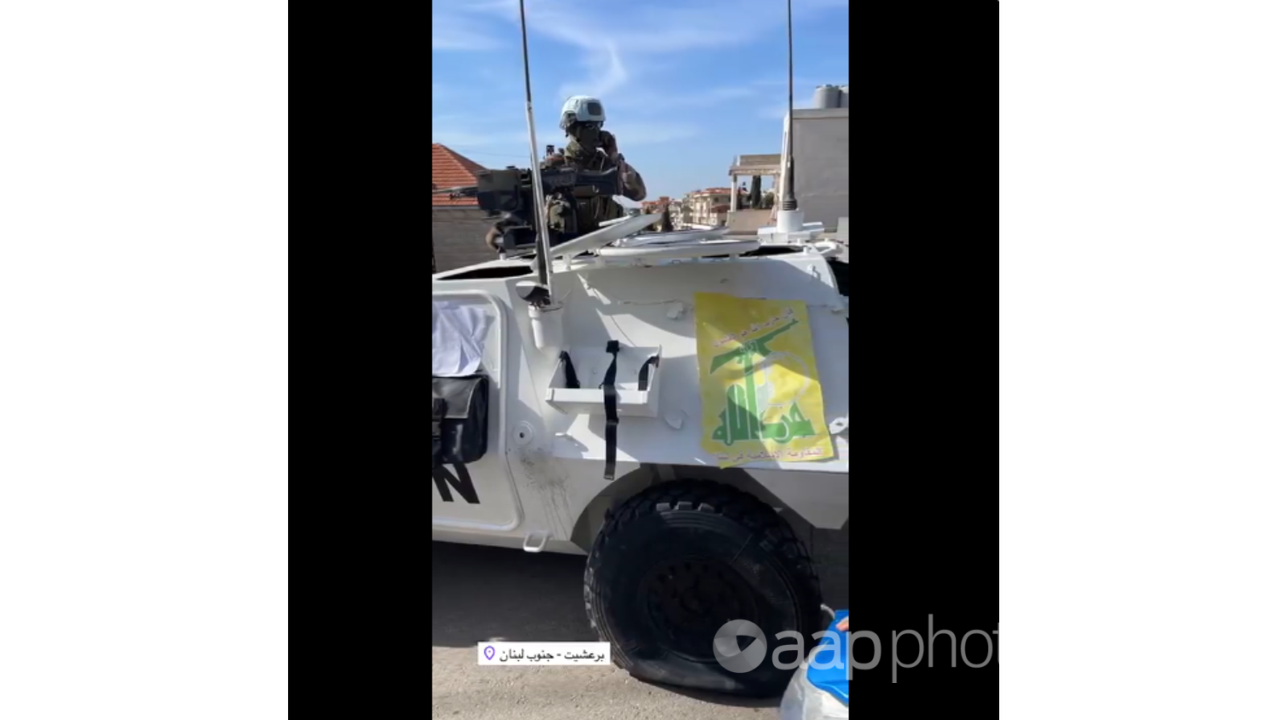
{"x":592,"y":210}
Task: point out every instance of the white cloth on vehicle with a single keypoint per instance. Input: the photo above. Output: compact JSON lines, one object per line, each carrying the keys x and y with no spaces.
{"x":457,"y":338}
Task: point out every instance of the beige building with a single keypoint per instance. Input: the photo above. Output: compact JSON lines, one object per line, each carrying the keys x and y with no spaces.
{"x":707,"y":207}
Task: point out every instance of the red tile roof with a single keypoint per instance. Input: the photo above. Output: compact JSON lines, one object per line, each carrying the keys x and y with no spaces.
{"x":449,"y":169}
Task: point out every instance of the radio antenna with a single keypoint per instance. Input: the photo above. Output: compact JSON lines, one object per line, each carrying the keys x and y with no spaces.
{"x":543,"y":259}
{"x":789,"y":202}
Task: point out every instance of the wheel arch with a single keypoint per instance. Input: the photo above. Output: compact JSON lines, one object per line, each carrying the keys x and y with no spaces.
{"x":804,"y":508}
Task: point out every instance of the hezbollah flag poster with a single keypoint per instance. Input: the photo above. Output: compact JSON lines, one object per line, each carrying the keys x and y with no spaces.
{"x":761,"y":398}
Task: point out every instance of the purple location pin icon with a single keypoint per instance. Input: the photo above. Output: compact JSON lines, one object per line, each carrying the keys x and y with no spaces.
{"x":488,"y":653}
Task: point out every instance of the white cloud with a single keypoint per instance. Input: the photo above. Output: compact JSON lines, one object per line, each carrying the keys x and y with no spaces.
{"x":621,"y":48}
{"x":656,"y":29}
{"x":606,"y":73}
{"x":454,"y":32}
{"x":649,"y":99}
{"x":649,"y":133}
{"x":619,"y":44}
{"x":642,"y":28}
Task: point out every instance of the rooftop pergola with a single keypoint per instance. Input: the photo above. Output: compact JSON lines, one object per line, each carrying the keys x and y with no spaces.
{"x":752,"y":166}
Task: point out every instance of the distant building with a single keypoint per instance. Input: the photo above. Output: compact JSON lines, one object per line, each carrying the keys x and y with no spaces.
{"x":707,"y":207}
{"x":658,"y":206}
{"x":677,"y":213}
{"x":655,"y":206}
{"x":458,"y":225}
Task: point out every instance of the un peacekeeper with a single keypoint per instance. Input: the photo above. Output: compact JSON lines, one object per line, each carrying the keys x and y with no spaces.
{"x":593,"y":149}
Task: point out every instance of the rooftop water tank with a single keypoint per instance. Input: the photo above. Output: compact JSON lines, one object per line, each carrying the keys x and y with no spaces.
{"x":826,"y":97}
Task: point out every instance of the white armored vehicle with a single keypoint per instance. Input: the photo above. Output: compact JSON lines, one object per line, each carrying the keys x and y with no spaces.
{"x":570,"y":414}
{"x":673,"y":406}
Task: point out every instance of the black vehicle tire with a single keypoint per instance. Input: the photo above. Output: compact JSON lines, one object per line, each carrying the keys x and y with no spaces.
{"x":673,"y":564}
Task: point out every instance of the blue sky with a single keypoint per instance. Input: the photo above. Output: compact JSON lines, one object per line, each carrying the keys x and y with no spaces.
{"x":686,"y":85}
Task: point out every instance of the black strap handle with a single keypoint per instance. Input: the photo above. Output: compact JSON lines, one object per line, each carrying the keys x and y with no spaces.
{"x":611,"y":412}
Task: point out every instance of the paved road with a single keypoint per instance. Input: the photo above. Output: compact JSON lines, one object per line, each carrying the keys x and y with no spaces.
{"x":489,"y":594}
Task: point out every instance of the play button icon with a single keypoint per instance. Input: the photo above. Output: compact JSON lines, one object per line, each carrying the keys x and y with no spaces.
{"x":740,"y":646}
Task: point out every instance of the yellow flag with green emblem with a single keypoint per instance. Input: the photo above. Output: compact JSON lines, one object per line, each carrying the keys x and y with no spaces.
{"x":761,"y":398}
